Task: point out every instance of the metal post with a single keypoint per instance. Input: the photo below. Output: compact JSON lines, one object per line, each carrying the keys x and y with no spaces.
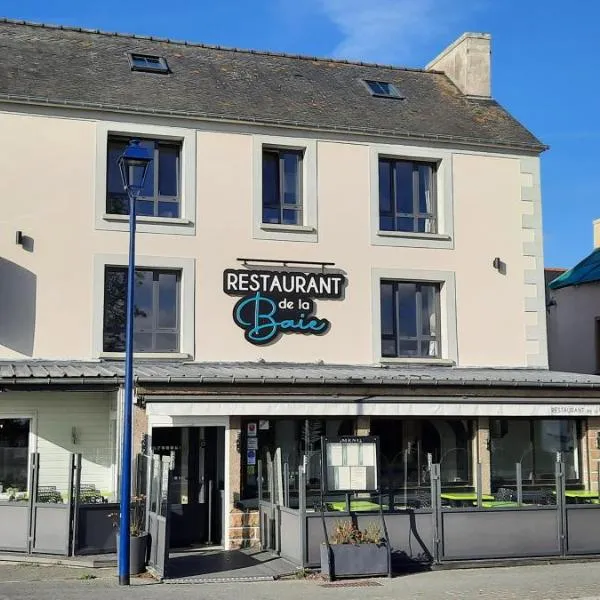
{"x":405,"y":479}
{"x":286,"y":484}
{"x":598,"y":476}
{"x":302,"y":515}
{"x":259,"y":480}
{"x":519,"y":476}
{"x":125,"y":500}
{"x":479,"y":484}
{"x":436,"y":510}
{"x":560,"y":504}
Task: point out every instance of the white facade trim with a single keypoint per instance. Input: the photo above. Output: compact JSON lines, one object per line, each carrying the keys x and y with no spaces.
{"x":184,"y":413}
{"x":186,"y":224}
{"x":444,"y":237}
{"x":307,"y":231}
{"x":448,"y":324}
{"x":187,"y":266}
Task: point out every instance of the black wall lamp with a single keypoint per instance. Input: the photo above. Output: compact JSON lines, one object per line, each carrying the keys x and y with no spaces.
{"x":19,"y":238}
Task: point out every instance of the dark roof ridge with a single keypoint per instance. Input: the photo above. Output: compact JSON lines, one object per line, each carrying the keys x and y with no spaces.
{"x":153,"y":38}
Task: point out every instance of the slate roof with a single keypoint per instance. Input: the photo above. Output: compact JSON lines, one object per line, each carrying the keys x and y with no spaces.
{"x":586,"y":271}
{"x":90,"y":69}
{"x":148,"y":372}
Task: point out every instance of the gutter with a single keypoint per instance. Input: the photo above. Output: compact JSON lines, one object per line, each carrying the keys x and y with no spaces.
{"x":201,"y":116}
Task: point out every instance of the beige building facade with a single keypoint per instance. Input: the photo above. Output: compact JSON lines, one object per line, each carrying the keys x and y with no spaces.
{"x":436,"y":341}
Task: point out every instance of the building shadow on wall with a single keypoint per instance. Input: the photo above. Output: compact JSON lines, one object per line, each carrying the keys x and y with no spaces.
{"x":18,"y":292}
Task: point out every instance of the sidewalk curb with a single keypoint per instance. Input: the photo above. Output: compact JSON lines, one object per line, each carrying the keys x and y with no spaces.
{"x":82,"y":562}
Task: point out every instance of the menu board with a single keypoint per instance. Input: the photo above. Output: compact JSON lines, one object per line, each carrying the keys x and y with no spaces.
{"x":351,"y":464}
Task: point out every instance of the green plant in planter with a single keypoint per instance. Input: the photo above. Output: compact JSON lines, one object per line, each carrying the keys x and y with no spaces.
{"x":347,"y":532}
{"x":137,"y":519}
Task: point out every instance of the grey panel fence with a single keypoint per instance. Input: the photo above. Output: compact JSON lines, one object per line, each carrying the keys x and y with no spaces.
{"x":443,"y":526}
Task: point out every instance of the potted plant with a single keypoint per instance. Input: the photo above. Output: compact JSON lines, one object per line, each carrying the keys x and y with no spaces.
{"x":352,"y":552}
{"x":138,"y":536}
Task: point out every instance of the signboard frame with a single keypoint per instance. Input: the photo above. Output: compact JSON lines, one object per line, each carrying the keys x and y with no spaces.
{"x":348,"y":441}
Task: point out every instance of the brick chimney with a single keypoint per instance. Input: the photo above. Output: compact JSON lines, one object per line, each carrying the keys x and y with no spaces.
{"x":467,"y":63}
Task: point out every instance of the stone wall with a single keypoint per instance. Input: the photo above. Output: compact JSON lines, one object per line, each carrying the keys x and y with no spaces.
{"x":244,"y":529}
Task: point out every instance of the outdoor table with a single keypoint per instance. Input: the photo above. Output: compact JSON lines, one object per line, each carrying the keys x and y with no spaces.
{"x":497,"y":504}
{"x":581,"y":496}
{"x":464,"y":498}
{"x":355,"y":505}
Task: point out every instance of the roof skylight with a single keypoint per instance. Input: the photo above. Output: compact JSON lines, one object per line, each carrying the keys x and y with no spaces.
{"x":149,"y":63}
{"x":383,"y":89}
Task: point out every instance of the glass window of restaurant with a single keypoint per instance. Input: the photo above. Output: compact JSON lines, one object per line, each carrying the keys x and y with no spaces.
{"x":296,"y":438}
{"x":404,"y":446}
{"x":14,"y":457}
{"x":533,"y":443}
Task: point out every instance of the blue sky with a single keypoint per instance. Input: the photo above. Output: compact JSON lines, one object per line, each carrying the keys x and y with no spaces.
{"x":545,"y":61}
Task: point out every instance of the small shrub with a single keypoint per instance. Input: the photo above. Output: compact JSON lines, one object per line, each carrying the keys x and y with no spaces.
{"x":346,"y":532}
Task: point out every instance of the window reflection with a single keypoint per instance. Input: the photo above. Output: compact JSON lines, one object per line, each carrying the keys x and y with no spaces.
{"x":14,"y":456}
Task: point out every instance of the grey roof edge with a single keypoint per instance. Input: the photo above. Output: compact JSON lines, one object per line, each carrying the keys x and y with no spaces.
{"x":164,"y":40}
{"x":467,"y":141}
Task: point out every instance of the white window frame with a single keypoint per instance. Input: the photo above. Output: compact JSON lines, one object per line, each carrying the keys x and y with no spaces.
{"x":444,"y":237}
{"x":187,"y":266}
{"x":33,"y":437}
{"x":186,"y":223}
{"x":307,"y":231}
{"x":448,"y":324}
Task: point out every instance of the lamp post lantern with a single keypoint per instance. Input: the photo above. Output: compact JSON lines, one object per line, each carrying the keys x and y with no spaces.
{"x":133,"y":165}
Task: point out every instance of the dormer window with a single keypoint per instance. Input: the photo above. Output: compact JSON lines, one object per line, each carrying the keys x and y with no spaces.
{"x":149,"y":63}
{"x":383,"y":89}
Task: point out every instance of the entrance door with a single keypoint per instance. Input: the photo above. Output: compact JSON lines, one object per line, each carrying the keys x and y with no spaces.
{"x":198,"y":457}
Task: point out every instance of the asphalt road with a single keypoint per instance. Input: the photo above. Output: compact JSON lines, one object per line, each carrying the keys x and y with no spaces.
{"x":565,"y":581}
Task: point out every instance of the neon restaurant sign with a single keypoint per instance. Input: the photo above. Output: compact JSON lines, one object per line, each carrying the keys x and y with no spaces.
{"x":276,"y":302}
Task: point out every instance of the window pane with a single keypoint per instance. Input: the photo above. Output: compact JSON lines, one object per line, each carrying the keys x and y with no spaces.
{"x":425,"y":190}
{"x":115,"y":294}
{"x":425,"y":225}
{"x":387,"y":309}
{"x":385,"y":187}
{"x":168,"y":209}
{"x":144,"y":208}
{"x":408,"y":348}
{"x":292,"y":217}
{"x":116,"y":198}
{"x":142,"y":342}
{"x":168,"y":175}
{"x":291,"y":177}
{"x":148,"y":189}
{"x":429,"y":349}
{"x":167,"y":342}
{"x":143,"y":316}
{"x":271,"y":215}
{"x":407,"y":310}
{"x":404,"y":187}
{"x":405,"y":224}
{"x":167,"y":300}
{"x":14,"y":453}
{"x":388,"y":347}
{"x":510,"y":444}
{"x":387,"y":223}
{"x":429,"y":310}
{"x":270,"y":179}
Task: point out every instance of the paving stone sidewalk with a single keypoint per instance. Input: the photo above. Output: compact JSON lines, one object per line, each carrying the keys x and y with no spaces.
{"x":567,"y":581}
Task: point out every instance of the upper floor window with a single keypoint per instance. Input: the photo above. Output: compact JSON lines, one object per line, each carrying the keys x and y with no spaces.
{"x":161,"y":196}
{"x":407,"y":198}
{"x":410,"y":319}
{"x":147,"y":62}
{"x":156,"y":311}
{"x":282,"y":186}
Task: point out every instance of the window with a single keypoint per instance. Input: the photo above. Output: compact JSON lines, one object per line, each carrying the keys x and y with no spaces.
{"x":14,"y":456}
{"x":282,"y":186}
{"x":410,"y":319}
{"x":407,"y":196}
{"x":383,"y":89}
{"x":156,"y":310}
{"x":161,"y":196}
{"x":146,"y":62}
{"x":404,"y":446}
{"x":533,"y":443}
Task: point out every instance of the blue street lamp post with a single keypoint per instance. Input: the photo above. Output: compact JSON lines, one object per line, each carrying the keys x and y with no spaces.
{"x":133,"y":165}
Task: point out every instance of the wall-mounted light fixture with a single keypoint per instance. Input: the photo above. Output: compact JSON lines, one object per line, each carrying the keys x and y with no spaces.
{"x":74,"y":435}
{"x":598,"y":440}
{"x":497,"y":263}
{"x":19,"y":238}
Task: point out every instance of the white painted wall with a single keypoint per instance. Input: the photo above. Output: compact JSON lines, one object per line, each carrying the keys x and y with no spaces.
{"x":47,"y":305}
{"x":572,"y":327}
{"x":53,"y":415}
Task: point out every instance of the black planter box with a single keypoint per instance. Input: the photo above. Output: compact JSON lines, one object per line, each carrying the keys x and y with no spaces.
{"x":354,"y":560}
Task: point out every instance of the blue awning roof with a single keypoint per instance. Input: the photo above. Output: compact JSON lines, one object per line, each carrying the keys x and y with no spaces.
{"x":587,"y":271}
